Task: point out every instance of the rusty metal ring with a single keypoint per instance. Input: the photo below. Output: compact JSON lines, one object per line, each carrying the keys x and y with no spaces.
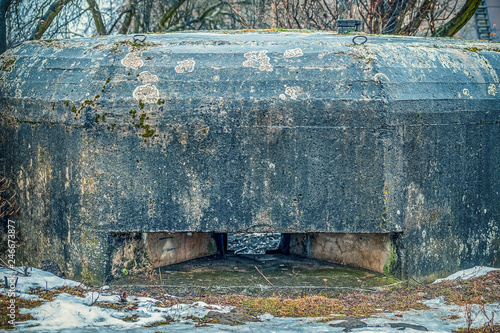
{"x":359,"y":36}
{"x":140,"y":38}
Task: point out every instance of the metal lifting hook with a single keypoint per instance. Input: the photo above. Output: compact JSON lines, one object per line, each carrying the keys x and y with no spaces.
{"x":139,"y":38}
{"x":360,"y":42}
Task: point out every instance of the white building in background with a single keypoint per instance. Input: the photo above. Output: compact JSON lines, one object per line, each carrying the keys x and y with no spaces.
{"x":483,"y":25}
{"x":493,"y":16}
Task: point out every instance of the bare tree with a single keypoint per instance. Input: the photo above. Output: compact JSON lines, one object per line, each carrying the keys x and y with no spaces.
{"x":4,"y":7}
{"x":48,"y":17}
{"x":96,"y":14}
{"x":168,"y":15}
{"x":457,"y":22}
{"x":35,"y":19}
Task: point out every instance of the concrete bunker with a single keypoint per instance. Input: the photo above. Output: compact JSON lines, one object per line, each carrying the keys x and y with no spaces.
{"x":392,"y":143}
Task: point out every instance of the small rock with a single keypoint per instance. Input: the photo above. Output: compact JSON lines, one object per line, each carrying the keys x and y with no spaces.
{"x":350,"y":324}
{"x":266,"y":317}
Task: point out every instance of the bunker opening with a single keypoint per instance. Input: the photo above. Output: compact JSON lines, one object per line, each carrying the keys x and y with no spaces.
{"x":377,"y":252}
{"x":191,"y":263}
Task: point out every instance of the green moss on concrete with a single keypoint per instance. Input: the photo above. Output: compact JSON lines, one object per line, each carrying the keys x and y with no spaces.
{"x":472,"y":49}
{"x":7,"y":66}
{"x":134,"y":45}
{"x":147,"y":131}
{"x":391,"y":262}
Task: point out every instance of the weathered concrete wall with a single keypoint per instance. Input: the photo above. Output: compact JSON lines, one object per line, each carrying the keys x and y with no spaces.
{"x":254,"y":132}
{"x":369,"y":251}
{"x":171,"y":248}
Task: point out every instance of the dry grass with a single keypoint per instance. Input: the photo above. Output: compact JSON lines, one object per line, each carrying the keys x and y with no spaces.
{"x":475,"y":292}
{"x":19,"y":303}
{"x":49,"y":295}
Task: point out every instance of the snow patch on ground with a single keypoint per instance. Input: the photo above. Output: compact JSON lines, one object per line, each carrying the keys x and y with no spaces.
{"x":68,"y":313}
{"x":36,"y":278}
{"x":73,"y":312}
{"x":468,"y":274}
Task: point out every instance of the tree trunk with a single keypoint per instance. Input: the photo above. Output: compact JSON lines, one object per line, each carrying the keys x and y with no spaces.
{"x":96,"y":14}
{"x":4,"y":6}
{"x":128,"y":20}
{"x":137,"y":21}
{"x":48,"y":17}
{"x":456,"y":23}
{"x":146,"y":24}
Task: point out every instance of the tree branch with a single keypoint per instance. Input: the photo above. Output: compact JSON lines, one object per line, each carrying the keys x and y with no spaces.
{"x":422,"y":13}
{"x":48,"y":17}
{"x":394,"y":16}
{"x":164,"y":19}
{"x":96,"y":14}
{"x":4,"y":7}
{"x":456,"y":23}
{"x":118,"y":20}
{"x":127,"y":21}
{"x":200,"y":18}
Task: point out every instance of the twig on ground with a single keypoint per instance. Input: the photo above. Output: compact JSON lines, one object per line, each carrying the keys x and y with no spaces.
{"x":99,"y":291}
{"x":3,"y":264}
{"x":264,"y":277}
{"x":420,"y":283}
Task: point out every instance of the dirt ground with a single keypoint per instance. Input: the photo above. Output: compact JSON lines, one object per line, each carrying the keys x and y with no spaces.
{"x":281,"y":287}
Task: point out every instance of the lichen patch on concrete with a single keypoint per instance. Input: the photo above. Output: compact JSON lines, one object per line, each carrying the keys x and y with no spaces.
{"x":492,"y":90}
{"x":466,"y":93}
{"x":185,"y":66}
{"x":293,"y":53}
{"x":147,"y":93}
{"x":100,"y":47}
{"x":293,"y":92}
{"x":133,"y":60}
{"x":7,"y":61}
{"x":258,"y":60}
{"x":147,"y":77}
